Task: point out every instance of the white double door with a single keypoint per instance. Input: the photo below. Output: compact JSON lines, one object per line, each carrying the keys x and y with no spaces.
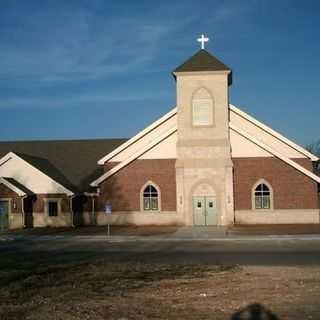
{"x":205,"y":211}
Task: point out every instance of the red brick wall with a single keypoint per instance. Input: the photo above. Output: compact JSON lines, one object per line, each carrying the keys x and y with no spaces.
{"x":292,"y":189}
{"x":5,"y":192}
{"x":122,"y":190}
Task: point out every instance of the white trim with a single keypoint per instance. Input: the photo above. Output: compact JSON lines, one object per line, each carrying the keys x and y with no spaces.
{"x":253,"y":195}
{"x":46,"y":206}
{"x":91,"y":194}
{"x":275,"y":153}
{"x":273,"y":132}
{"x":11,"y":155}
{"x":200,"y":73}
{"x":138,"y":136}
{"x":133,"y":157}
{"x":19,"y":192}
{"x":150,"y":183}
{"x":6,"y":158}
{"x":233,"y":108}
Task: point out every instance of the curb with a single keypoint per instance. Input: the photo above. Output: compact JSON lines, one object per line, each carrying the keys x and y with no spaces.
{"x":119,"y":239}
{"x":218,"y":239}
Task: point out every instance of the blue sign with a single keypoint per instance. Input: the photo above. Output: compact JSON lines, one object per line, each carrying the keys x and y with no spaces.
{"x":2,"y":211}
{"x":108,"y":209}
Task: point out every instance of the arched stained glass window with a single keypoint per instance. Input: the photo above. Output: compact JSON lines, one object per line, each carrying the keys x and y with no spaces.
{"x":262,"y":196}
{"x":150,"y":198}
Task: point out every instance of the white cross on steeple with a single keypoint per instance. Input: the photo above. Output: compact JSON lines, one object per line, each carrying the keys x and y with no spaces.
{"x":203,"y":40}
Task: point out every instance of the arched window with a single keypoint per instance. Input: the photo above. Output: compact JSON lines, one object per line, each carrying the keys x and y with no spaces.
{"x":202,"y":108}
{"x":262,"y":196}
{"x":151,"y":198}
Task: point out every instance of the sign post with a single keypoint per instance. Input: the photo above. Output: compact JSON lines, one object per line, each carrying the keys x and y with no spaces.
{"x":1,"y":218}
{"x":108,"y":211}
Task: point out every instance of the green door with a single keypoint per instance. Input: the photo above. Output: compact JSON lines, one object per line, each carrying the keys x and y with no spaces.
{"x":199,"y":218}
{"x":4,"y":215}
{"x":204,"y":211}
{"x":211,"y":211}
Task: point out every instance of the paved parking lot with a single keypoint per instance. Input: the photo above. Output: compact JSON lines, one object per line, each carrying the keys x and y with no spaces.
{"x":254,"y":251}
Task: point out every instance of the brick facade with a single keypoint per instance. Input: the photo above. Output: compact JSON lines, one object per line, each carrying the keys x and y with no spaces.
{"x":37,"y":200}
{"x":122,"y":190}
{"x":292,"y":189}
{"x":38,"y":203}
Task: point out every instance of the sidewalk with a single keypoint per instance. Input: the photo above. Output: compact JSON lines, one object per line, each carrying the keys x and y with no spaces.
{"x":277,"y":229}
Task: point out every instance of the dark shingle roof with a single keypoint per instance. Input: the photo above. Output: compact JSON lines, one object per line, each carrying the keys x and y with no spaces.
{"x":202,"y":61}
{"x":72,"y":163}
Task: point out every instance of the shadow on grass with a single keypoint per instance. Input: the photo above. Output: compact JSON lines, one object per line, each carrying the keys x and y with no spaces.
{"x":254,"y":311}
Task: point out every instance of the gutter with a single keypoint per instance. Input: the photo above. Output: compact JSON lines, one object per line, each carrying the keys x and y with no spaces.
{"x":71,"y":210}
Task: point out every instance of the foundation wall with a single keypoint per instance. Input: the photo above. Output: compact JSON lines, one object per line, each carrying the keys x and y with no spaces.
{"x":277,"y":216}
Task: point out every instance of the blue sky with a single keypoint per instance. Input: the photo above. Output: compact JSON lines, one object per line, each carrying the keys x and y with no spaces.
{"x":102,"y":69}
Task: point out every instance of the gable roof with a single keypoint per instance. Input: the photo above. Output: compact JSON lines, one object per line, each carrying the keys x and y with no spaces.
{"x":133,"y":157}
{"x":15,"y":186}
{"x":274,"y":133}
{"x":138,"y":136}
{"x":276,"y":153}
{"x":202,"y":61}
{"x":13,"y":156}
{"x":45,"y":166}
{"x":72,"y":163}
{"x":136,"y":154}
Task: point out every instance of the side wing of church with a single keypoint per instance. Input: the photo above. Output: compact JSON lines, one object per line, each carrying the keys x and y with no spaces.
{"x":204,"y":163}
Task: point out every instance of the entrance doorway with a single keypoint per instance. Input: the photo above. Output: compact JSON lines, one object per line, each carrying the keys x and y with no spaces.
{"x":205,"y":211}
{"x":4,"y":215}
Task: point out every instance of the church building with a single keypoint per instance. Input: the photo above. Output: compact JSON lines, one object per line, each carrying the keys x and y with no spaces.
{"x":204,"y":163}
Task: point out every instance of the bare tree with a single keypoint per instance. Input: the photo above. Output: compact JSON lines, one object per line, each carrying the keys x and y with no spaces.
{"x":314,"y":148}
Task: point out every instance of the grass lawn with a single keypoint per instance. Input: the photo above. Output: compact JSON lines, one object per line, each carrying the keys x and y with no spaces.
{"x":87,"y":288}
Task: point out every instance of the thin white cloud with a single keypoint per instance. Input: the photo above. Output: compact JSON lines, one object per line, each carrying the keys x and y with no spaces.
{"x":80,"y":45}
{"x":76,"y":100}
{"x":66,"y":45}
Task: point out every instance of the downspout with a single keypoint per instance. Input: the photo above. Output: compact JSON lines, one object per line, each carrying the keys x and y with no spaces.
{"x":97,"y":195}
{"x":71,"y":211}
{"x":93,"y":211}
{"x":23,"y":212}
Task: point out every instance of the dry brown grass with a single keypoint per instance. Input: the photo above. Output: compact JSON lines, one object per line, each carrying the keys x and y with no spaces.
{"x":97,"y":289}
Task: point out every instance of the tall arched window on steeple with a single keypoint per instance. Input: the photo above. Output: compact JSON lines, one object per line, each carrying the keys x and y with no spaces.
{"x":202,"y":108}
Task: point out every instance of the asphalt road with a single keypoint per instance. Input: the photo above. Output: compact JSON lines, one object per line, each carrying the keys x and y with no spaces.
{"x":245,"y":252}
